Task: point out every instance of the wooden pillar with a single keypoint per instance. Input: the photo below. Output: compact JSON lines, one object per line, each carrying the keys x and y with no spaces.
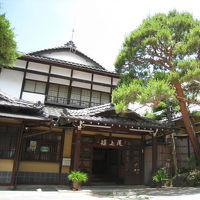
{"x":154,"y":153}
{"x":77,"y":149}
{"x":61,"y":156}
{"x":17,"y":154}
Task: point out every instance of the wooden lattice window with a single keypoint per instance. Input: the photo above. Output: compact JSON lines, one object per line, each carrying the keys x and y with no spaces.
{"x":75,"y":96}
{"x":57,"y":94}
{"x":8,"y":141}
{"x":42,"y":148}
{"x":85,"y":98}
{"x":95,"y":101}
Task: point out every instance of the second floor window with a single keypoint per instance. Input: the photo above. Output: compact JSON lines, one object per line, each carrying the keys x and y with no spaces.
{"x":35,"y":86}
{"x":57,"y":94}
{"x":80,"y":97}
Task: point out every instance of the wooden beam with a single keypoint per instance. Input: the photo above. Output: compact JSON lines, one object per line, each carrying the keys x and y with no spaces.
{"x":17,"y":155}
{"x":61,"y":156}
{"x":77,"y":149}
{"x":24,"y":78}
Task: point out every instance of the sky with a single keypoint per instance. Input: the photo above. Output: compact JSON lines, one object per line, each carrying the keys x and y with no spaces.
{"x":100,"y":26}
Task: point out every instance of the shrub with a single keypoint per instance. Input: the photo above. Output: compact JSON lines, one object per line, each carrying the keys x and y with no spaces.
{"x":159,"y":175}
{"x":193,"y":178}
{"x":78,"y":176}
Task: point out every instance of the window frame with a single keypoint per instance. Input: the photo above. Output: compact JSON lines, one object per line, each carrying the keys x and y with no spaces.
{"x":38,"y":155}
{"x":35,"y":83}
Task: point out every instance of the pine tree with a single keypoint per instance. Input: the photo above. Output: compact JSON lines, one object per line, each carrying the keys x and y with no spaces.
{"x":167,"y":44}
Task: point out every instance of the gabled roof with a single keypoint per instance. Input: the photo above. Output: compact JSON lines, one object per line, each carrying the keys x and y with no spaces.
{"x":69,"y":47}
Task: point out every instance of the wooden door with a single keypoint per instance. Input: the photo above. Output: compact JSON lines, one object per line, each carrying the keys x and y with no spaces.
{"x":133,"y":166}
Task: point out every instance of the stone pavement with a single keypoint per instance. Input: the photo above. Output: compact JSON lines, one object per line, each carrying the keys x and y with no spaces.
{"x":55,"y":192}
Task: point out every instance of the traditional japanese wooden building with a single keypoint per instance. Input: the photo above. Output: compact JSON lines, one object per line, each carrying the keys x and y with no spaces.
{"x":60,"y":117}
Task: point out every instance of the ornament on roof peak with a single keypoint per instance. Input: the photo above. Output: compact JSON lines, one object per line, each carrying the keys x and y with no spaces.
{"x":70,"y":44}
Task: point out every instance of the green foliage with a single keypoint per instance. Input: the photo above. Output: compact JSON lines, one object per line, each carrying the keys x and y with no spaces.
{"x":196,"y":113}
{"x":8,"y":52}
{"x":164,"y":50}
{"x":78,"y":176}
{"x":159,"y":175}
{"x":193,"y":178}
{"x":151,"y":91}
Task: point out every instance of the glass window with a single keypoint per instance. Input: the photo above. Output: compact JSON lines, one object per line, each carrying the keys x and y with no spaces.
{"x":35,"y":86}
{"x":40,"y":87}
{"x":75,"y":96}
{"x":95,"y":99}
{"x":57,"y":93}
{"x":85,"y":98}
{"x":29,"y":86}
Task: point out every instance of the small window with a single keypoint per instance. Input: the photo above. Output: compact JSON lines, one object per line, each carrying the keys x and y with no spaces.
{"x":35,"y":86}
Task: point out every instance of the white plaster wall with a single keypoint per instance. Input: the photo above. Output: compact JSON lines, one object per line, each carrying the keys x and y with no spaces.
{"x":38,"y":67}
{"x":33,"y":97}
{"x":82,"y":75}
{"x":101,"y":88}
{"x":102,"y":79}
{"x":11,"y":82}
{"x":36,"y":77}
{"x":61,"y":71}
{"x":59,"y":81}
{"x":68,"y":56}
{"x":81,"y":85}
{"x":115,"y":81}
{"x":20,"y":64}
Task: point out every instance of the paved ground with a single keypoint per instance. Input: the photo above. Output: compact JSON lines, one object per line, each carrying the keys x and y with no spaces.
{"x":101,"y":193}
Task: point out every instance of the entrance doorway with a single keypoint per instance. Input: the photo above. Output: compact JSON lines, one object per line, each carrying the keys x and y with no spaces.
{"x":105,"y":165}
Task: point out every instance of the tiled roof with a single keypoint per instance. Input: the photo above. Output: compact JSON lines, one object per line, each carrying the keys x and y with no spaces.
{"x":68,"y":47}
{"x":99,"y":114}
{"x":6,"y":100}
{"x":96,"y":114}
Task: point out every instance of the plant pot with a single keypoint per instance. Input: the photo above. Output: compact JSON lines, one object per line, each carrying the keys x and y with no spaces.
{"x":76,"y":185}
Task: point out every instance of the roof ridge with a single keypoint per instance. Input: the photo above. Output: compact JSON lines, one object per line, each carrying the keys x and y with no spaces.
{"x":66,"y":47}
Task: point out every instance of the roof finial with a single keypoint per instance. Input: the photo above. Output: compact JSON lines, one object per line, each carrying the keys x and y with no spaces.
{"x":72,"y":34}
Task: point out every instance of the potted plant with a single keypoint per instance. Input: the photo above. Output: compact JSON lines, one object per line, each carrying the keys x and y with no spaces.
{"x":77,"y":178}
{"x":159,"y":176}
